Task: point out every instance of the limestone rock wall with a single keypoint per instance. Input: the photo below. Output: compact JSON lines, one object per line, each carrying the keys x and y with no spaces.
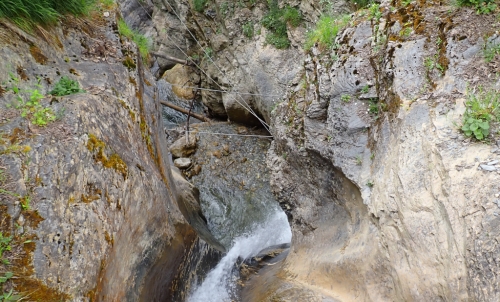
{"x":101,"y":211}
{"x":419,"y":220}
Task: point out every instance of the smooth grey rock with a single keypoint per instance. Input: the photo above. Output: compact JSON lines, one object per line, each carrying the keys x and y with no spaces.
{"x":182,"y":163}
{"x":492,"y":163}
{"x":487,"y":167}
{"x":183,"y":147}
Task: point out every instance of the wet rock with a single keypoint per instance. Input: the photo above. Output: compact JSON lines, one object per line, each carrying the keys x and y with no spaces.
{"x":183,"y":147}
{"x":182,"y":163}
{"x":189,"y":205}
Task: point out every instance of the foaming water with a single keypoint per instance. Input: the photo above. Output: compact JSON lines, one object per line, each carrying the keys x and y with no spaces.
{"x":219,"y":285}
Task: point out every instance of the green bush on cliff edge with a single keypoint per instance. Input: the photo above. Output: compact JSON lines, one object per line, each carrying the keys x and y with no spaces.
{"x":27,"y":13}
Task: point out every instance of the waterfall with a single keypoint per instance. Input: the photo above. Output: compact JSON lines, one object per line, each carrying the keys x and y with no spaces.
{"x":219,"y":285}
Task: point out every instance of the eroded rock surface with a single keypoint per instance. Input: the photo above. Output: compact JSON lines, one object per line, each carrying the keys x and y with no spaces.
{"x":98,"y":201}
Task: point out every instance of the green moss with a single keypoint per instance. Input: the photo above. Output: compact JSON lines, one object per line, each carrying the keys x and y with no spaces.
{"x":97,"y":148}
{"x":129,"y":63}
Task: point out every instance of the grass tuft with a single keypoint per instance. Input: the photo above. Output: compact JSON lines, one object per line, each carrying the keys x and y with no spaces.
{"x":143,"y":43}
{"x":326,"y":31}
{"x":27,"y":13}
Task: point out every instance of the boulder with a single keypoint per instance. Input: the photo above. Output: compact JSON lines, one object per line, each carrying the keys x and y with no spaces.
{"x":182,"y":163}
{"x":183,"y":147}
{"x":180,"y":78}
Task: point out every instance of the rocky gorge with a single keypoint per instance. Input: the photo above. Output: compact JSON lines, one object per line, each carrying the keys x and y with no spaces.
{"x":360,"y":142}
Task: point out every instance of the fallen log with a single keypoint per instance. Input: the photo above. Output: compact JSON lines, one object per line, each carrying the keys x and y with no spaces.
{"x":185,"y":111}
{"x":183,"y":62}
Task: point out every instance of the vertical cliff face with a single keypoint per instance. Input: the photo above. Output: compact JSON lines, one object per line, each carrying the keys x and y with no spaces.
{"x":420,"y":221}
{"x":88,"y":198}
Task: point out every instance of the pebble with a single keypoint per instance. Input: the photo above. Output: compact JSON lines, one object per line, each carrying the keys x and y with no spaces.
{"x":182,"y":163}
{"x":492,"y":163}
{"x":487,"y":167}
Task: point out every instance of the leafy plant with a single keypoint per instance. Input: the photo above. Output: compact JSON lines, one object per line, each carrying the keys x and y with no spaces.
{"x":481,"y":6}
{"x":433,"y":63}
{"x":374,"y":12}
{"x":491,"y":49}
{"x":25,"y":203}
{"x":7,"y":297}
{"x":365,"y":89}
{"x":66,"y":86}
{"x":481,"y":108}
{"x":373,"y":106}
{"x":326,"y":31}
{"x":33,"y":109}
{"x":143,"y":43}
{"x":345,"y":98}
{"x":199,"y":5}
{"x":405,"y":32}
{"x":6,"y":277}
{"x":276,"y":22}
{"x":4,"y":245}
{"x":248,"y":29}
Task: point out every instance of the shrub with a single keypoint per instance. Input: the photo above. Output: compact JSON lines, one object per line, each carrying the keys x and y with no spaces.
{"x":248,"y":30}
{"x":143,"y":43}
{"x":199,"y":5}
{"x":276,"y":22}
{"x":481,"y":108}
{"x":66,"y":86}
{"x":326,"y":31}
{"x":481,"y":6}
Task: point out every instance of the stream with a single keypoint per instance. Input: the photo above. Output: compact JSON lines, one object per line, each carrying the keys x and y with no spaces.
{"x":236,"y":199}
{"x":220,"y":283}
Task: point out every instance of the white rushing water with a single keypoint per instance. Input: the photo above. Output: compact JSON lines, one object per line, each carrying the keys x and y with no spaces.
{"x":219,"y":284}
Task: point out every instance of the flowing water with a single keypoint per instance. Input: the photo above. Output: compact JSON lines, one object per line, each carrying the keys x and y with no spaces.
{"x":236,"y":199}
{"x":220,"y":283}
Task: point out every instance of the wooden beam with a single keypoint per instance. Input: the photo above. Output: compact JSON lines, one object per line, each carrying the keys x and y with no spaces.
{"x":180,"y":109}
{"x":183,"y":62}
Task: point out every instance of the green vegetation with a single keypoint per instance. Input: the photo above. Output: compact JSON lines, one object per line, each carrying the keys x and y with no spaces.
{"x":373,"y":106}
{"x":66,"y":86}
{"x":199,"y":5}
{"x":432,"y":63}
{"x":326,"y":31}
{"x":4,"y":246}
{"x":29,"y":103}
{"x":490,"y":51}
{"x":374,"y":12}
{"x":143,"y":43}
{"x":482,"y":107}
{"x":481,"y":6}
{"x":345,"y":98}
{"x":248,"y":30}
{"x":276,"y":21}
{"x":28,"y":13}
{"x":33,"y":110}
